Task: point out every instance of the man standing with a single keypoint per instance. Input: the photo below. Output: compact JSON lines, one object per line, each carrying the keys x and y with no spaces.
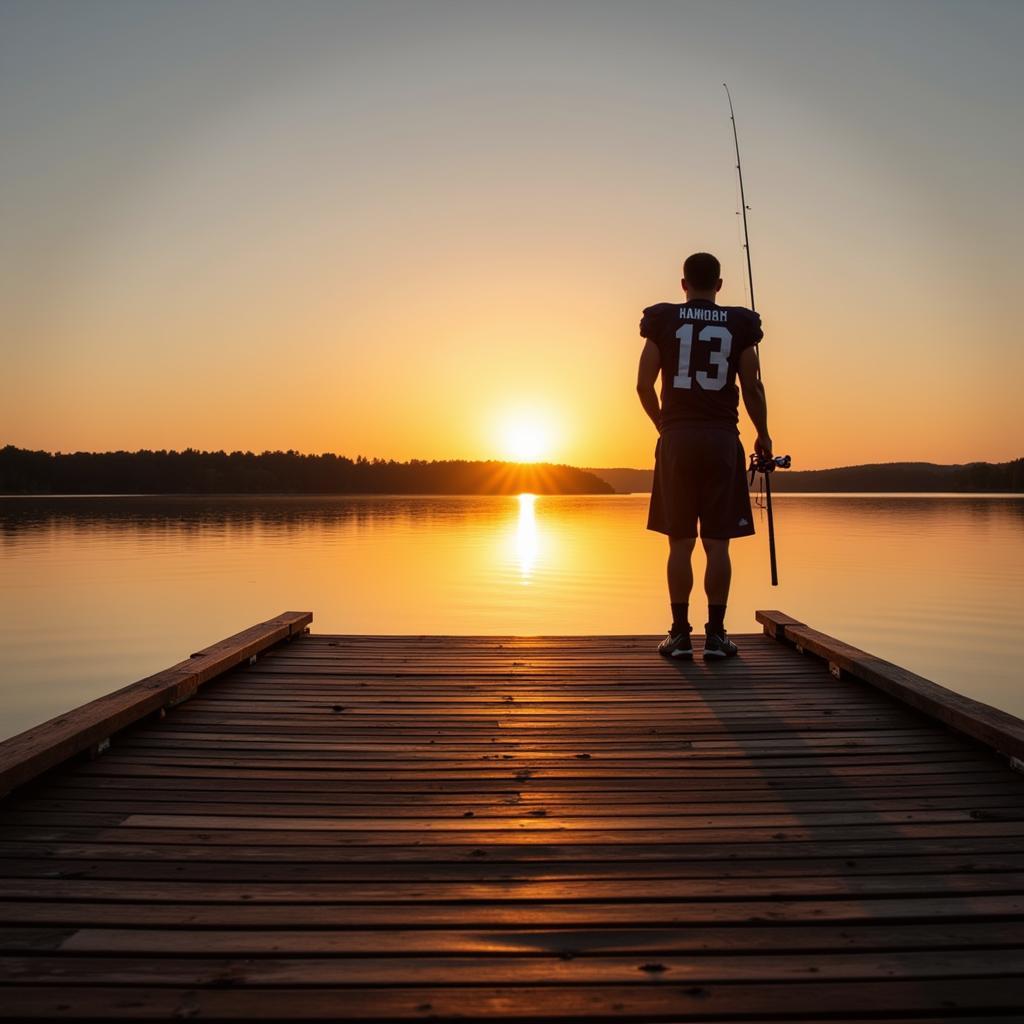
{"x":700,"y":348}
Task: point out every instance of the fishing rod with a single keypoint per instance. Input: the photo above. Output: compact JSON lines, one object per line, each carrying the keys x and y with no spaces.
{"x":743,"y":199}
{"x":758,"y":463}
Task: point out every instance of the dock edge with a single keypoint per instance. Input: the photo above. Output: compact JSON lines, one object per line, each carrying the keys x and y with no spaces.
{"x":89,"y":728}
{"x":996,"y":729}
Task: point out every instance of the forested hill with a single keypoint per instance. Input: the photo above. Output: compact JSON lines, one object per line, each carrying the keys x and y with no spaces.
{"x":977,"y":477}
{"x":999,"y":477}
{"x":195,"y":472}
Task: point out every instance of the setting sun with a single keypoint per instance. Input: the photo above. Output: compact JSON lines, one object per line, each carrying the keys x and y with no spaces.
{"x":525,"y":439}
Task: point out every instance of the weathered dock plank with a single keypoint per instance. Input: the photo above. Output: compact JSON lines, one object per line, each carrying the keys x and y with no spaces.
{"x":518,"y":829}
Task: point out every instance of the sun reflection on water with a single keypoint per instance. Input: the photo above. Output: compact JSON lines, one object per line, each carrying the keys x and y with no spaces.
{"x":527,"y":539}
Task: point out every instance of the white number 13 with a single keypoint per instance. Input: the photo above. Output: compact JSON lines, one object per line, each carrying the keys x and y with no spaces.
{"x":719,"y":358}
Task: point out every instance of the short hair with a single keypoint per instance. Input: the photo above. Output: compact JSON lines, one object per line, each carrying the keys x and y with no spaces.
{"x":702,"y":270}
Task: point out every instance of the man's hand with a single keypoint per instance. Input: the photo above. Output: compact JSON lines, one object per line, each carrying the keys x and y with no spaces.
{"x":763,"y":446}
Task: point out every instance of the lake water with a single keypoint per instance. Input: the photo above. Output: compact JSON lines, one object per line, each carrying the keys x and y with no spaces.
{"x":97,"y":592}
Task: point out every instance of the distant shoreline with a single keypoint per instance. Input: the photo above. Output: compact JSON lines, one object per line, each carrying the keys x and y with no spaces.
{"x":876,"y":478}
{"x":194,"y":473}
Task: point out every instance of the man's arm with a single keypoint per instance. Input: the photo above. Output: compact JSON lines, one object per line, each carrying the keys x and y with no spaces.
{"x":754,"y":399}
{"x":646,"y":375}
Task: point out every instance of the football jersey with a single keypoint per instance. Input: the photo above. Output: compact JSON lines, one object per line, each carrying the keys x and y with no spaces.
{"x":700,"y":344}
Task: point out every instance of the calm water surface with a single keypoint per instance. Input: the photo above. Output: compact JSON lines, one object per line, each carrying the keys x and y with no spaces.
{"x":97,"y":592}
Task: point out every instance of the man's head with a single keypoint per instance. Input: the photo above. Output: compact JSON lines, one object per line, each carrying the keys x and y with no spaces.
{"x":701,"y":276}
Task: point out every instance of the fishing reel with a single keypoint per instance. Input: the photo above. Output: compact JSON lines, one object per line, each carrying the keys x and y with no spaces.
{"x":762,"y":464}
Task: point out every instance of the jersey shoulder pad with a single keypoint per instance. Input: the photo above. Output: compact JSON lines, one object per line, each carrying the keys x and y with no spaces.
{"x":654,"y":316}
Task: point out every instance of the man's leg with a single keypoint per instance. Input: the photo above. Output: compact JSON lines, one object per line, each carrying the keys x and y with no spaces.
{"x":717,"y":578}
{"x":718,"y":574}
{"x":680,"y":580}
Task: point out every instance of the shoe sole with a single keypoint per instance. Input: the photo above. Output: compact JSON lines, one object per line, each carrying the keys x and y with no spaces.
{"x":679,"y":655}
{"x":718,"y":654}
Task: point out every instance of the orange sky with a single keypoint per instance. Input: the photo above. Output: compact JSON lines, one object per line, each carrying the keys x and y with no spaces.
{"x":396,"y":229}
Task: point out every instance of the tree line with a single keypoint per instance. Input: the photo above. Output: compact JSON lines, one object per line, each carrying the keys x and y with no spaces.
{"x":278,"y":472}
{"x":916,"y":477}
{"x":977,"y":477}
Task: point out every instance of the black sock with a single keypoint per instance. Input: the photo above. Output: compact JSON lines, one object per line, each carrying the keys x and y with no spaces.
{"x":680,"y":618}
{"x":716,"y":618}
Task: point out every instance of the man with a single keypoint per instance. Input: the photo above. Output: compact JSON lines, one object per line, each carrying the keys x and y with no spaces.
{"x":700,"y":348}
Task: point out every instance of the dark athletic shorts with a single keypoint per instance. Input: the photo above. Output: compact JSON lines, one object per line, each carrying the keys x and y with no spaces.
{"x":700,"y":476}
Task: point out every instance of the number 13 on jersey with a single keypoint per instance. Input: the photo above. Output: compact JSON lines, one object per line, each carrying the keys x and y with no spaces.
{"x":718,"y":357}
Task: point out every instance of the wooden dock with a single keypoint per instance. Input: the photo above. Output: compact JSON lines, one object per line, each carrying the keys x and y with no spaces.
{"x":303,"y":827}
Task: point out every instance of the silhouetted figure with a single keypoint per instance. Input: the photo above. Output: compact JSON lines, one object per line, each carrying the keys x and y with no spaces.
{"x":700,"y":478}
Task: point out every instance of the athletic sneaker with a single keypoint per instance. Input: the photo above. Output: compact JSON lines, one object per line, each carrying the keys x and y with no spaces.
{"x":676,"y":645}
{"x":718,"y":645}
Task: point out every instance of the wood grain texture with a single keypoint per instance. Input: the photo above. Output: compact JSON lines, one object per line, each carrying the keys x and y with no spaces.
{"x":996,"y":729}
{"x":29,"y":754}
{"x":520,"y":829}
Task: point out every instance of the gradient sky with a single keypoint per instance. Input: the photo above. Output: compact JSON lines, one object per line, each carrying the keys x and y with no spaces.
{"x":396,"y":228}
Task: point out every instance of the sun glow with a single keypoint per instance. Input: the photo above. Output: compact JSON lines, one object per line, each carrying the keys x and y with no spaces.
{"x":525,"y":439}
